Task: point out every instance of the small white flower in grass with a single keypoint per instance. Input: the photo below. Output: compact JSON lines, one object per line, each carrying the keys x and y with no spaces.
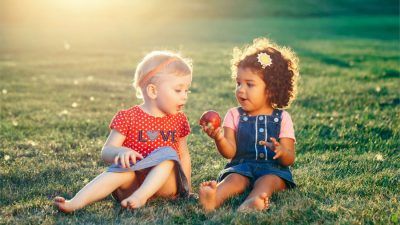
{"x":86,"y":180}
{"x":15,"y":123}
{"x":74,"y":105}
{"x":379,"y":157}
{"x":91,"y":98}
{"x":216,"y":166}
{"x":378,"y":89}
{"x":90,"y":78}
{"x":6,"y":157}
{"x":32,"y":143}
{"x":63,"y":113}
{"x":4,"y":91}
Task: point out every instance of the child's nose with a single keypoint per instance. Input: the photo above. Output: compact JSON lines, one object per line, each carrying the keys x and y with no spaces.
{"x":185,"y":96}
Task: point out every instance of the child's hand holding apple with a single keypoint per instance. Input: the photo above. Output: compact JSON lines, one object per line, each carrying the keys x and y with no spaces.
{"x":210,"y":121}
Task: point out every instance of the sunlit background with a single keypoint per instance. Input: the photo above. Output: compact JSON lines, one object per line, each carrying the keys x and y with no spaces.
{"x":124,"y":23}
{"x":66,"y":68}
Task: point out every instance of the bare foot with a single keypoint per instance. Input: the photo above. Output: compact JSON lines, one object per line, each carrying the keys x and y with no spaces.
{"x":260,"y":202}
{"x":64,"y":205}
{"x":133,"y":202}
{"x":208,"y":191}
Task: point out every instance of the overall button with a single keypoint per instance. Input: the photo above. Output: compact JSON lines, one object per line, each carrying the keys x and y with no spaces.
{"x":261,"y":129}
{"x":261,"y":155}
{"x":245,"y":118}
{"x":276,"y":120}
{"x":261,"y":118}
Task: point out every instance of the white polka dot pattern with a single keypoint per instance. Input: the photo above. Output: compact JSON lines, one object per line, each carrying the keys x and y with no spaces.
{"x":144,"y":133}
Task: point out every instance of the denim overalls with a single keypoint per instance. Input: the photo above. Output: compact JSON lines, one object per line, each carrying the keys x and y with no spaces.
{"x":252,"y":159}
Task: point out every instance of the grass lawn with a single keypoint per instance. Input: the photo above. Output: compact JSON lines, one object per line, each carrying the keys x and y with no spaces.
{"x":59,"y":93}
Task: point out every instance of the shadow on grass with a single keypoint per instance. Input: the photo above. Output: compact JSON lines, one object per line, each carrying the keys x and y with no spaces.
{"x":324,"y":58}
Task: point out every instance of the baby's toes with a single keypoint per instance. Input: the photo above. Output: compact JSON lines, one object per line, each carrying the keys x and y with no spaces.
{"x":59,"y":199}
{"x":205,"y":183}
{"x":131,"y":205}
{"x":266,"y":200}
{"x":213,"y":184}
{"x":124,"y":203}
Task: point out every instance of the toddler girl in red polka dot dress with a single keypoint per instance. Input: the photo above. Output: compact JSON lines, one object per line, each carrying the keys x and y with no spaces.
{"x":147,"y":145}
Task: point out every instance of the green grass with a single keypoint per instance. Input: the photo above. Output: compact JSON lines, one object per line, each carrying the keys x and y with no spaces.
{"x":346,"y":117}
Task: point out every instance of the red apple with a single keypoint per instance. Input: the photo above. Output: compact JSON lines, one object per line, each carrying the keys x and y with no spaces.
{"x":210,"y":118}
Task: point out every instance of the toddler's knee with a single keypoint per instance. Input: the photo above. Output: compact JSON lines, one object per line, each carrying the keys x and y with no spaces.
{"x":168,"y":163}
{"x":130,"y":179}
{"x":238,"y":179}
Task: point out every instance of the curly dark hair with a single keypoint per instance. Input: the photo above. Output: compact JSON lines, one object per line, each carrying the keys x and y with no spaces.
{"x":280,"y":77}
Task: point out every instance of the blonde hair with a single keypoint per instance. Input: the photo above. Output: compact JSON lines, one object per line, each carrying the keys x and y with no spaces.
{"x":176,"y":65}
{"x":280,"y":77}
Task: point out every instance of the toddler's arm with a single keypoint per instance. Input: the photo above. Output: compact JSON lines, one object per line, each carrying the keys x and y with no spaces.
{"x":284,"y":151}
{"x":185,"y":160}
{"x":226,"y":142}
{"x":114,"y":152}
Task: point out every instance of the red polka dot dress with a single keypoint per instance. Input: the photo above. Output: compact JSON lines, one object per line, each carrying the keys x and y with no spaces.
{"x":144,"y":133}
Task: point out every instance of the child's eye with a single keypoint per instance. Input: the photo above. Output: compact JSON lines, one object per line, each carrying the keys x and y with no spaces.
{"x":179,"y":91}
{"x":250,"y":85}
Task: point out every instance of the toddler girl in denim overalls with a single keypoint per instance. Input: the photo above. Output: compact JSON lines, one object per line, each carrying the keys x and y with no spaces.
{"x":258,"y":136}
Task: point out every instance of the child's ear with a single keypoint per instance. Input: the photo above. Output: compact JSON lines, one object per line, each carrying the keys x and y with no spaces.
{"x":267,"y":93}
{"x":151,"y":90}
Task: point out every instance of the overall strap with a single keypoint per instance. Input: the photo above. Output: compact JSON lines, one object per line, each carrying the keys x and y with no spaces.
{"x":277,"y":113}
{"x":241,"y":111}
